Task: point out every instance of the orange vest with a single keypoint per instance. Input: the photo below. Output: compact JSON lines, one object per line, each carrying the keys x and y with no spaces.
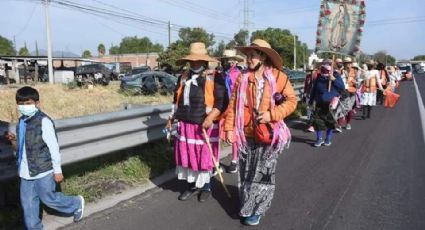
{"x":350,"y":81}
{"x":209,"y":89}
{"x":370,"y":85}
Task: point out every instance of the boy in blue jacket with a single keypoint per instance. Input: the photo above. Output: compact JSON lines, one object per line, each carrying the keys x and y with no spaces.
{"x":39,"y":162}
{"x":322,"y":117}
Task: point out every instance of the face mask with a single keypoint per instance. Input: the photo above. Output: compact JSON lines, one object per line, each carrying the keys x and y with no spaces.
{"x":339,"y":65}
{"x":27,"y":110}
{"x":198,"y":70}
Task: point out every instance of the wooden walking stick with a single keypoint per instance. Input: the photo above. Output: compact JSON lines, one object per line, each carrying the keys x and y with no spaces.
{"x":207,"y":139}
{"x":331,"y":73}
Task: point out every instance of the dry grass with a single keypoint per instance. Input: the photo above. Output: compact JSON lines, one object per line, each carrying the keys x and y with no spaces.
{"x":61,"y":102}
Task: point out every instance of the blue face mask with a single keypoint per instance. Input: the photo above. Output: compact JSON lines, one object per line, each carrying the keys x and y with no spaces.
{"x":27,"y":110}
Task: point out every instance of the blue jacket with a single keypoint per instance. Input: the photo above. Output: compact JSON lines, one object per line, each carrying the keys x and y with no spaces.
{"x":320,"y":93}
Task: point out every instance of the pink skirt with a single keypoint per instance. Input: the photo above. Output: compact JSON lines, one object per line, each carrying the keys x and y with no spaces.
{"x":191,"y":150}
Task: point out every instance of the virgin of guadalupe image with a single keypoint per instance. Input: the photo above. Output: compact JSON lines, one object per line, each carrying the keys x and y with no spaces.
{"x":339,"y":26}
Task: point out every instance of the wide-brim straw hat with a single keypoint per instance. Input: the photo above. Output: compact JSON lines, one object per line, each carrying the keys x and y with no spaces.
{"x":348,"y":60}
{"x":197,"y":52}
{"x":355,"y":65}
{"x":264,"y":47}
{"x":232,"y":55}
{"x":370,"y":62}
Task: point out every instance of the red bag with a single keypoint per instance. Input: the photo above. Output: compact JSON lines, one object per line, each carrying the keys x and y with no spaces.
{"x":391,"y":99}
{"x":262,"y":132}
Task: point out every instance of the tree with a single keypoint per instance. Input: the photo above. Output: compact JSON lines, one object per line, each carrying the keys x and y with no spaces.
{"x":114,"y":50}
{"x":241,"y":37}
{"x":86,"y":54}
{"x":134,"y":44}
{"x":6,"y":47}
{"x":169,"y":57}
{"x":24,"y":51}
{"x":419,"y":58}
{"x":218,"y":52}
{"x":283,"y":42}
{"x":101,"y":49}
{"x":189,"y":35}
{"x":383,"y":57}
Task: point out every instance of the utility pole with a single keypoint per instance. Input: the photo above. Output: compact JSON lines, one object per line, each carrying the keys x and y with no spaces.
{"x":169,"y":34}
{"x":295,"y":51}
{"x":14,"y":44}
{"x":246,"y":14}
{"x":49,"y":42}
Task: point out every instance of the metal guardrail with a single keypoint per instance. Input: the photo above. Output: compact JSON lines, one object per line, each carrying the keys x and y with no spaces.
{"x":82,"y":138}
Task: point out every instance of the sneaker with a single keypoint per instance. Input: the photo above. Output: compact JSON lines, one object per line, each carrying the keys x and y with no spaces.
{"x":214,"y":172}
{"x":319,"y":143}
{"x":78,"y":215}
{"x":310,"y":129}
{"x":348,"y":127}
{"x":327,"y":143}
{"x":233,"y":167}
{"x":338,"y":129}
{"x":188,"y":194}
{"x":205,"y":194}
{"x":252,"y":220}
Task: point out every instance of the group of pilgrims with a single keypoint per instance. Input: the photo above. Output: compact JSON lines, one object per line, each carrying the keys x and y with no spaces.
{"x":245,"y":107}
{"x":334,"y":95}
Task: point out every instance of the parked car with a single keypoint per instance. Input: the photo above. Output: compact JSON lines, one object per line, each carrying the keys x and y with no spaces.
{"x":295,"y":75}
{"x":149,"y":82}
{"x":138,"y":70}
{"x":93,"y":74}
{"x":119,"y":69}
{"x":405,"y":70}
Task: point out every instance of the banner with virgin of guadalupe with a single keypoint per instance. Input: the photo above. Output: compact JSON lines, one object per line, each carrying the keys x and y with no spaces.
{"x":340,"y":26}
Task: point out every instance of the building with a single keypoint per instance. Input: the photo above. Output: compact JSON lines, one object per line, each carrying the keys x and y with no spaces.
{"x":136,"y":60}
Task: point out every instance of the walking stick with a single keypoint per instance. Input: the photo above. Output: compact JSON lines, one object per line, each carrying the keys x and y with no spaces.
{"x":207,"y":139}
{"x":332,"y":72}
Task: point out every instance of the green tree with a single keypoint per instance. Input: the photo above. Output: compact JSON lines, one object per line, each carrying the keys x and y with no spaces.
{"x":169,"y":57}
{"x":218,"y":51}
{"x":101,"y":49}
{"x":419,"y":58}
{"x":6,"y":46}
{"x":283,"y":42}
{"x":383,"y":57}
{"x":139,"y":45}
{"x":114,"y":50}
{"x":86,"y":54}
{"x":241,"y":37}
{"x":24,"y":51}
{"x":189,"y":35}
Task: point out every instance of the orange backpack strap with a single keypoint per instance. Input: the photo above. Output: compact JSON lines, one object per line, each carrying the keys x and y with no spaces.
{"x":209,"y":91}
{"x":180,"y":88}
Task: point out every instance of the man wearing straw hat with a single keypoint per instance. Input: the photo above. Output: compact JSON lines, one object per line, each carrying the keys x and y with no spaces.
{"x":230,"y":73}
{"x":262,"y":98}
{"x":199,"y":99}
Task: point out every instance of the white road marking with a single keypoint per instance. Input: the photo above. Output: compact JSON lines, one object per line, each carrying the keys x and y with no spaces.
{"x":421,"y":108}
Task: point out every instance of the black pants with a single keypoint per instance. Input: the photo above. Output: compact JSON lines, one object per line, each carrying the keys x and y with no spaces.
{"x":366,"y":111}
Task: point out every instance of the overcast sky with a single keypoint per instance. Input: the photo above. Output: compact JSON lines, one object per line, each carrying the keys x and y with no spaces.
{"x":401,"y":31}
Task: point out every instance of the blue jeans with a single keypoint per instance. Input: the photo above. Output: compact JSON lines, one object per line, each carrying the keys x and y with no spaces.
{"x":32,"y":191}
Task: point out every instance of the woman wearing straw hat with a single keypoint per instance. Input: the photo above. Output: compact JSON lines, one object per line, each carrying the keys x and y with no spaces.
{"x":370,"y":86}
{"x":263,"y":97}
{"x":323,"y":95}
{"x":199,"y":99}
{"x":230,"y":73}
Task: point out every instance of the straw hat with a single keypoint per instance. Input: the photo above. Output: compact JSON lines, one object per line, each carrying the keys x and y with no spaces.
{"x":263,"y":46}
{"x":355,"y":65}
{"x":231,"y":55}
{"x":338,"y":60}
{"x":197,"y":52}
{"x":371,"y":62}
{"x":348,"y":60}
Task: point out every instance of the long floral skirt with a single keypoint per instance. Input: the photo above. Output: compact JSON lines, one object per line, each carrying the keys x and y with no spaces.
{"x":256,"y":179}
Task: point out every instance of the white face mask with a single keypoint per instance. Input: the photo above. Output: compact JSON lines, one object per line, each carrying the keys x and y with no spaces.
{"x":27,"y":110}
{"x":198,"y":70}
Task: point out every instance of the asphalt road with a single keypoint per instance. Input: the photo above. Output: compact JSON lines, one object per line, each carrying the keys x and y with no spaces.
{"x":372,"y":177}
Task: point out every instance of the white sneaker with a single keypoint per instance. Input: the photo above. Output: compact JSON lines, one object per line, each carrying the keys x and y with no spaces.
{"x":79,"y":213}
{"x":348,"y":127}
{"x":338,"y":129}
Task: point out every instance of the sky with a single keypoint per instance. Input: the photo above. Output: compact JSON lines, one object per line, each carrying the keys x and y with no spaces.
{"x":401,"y":35}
